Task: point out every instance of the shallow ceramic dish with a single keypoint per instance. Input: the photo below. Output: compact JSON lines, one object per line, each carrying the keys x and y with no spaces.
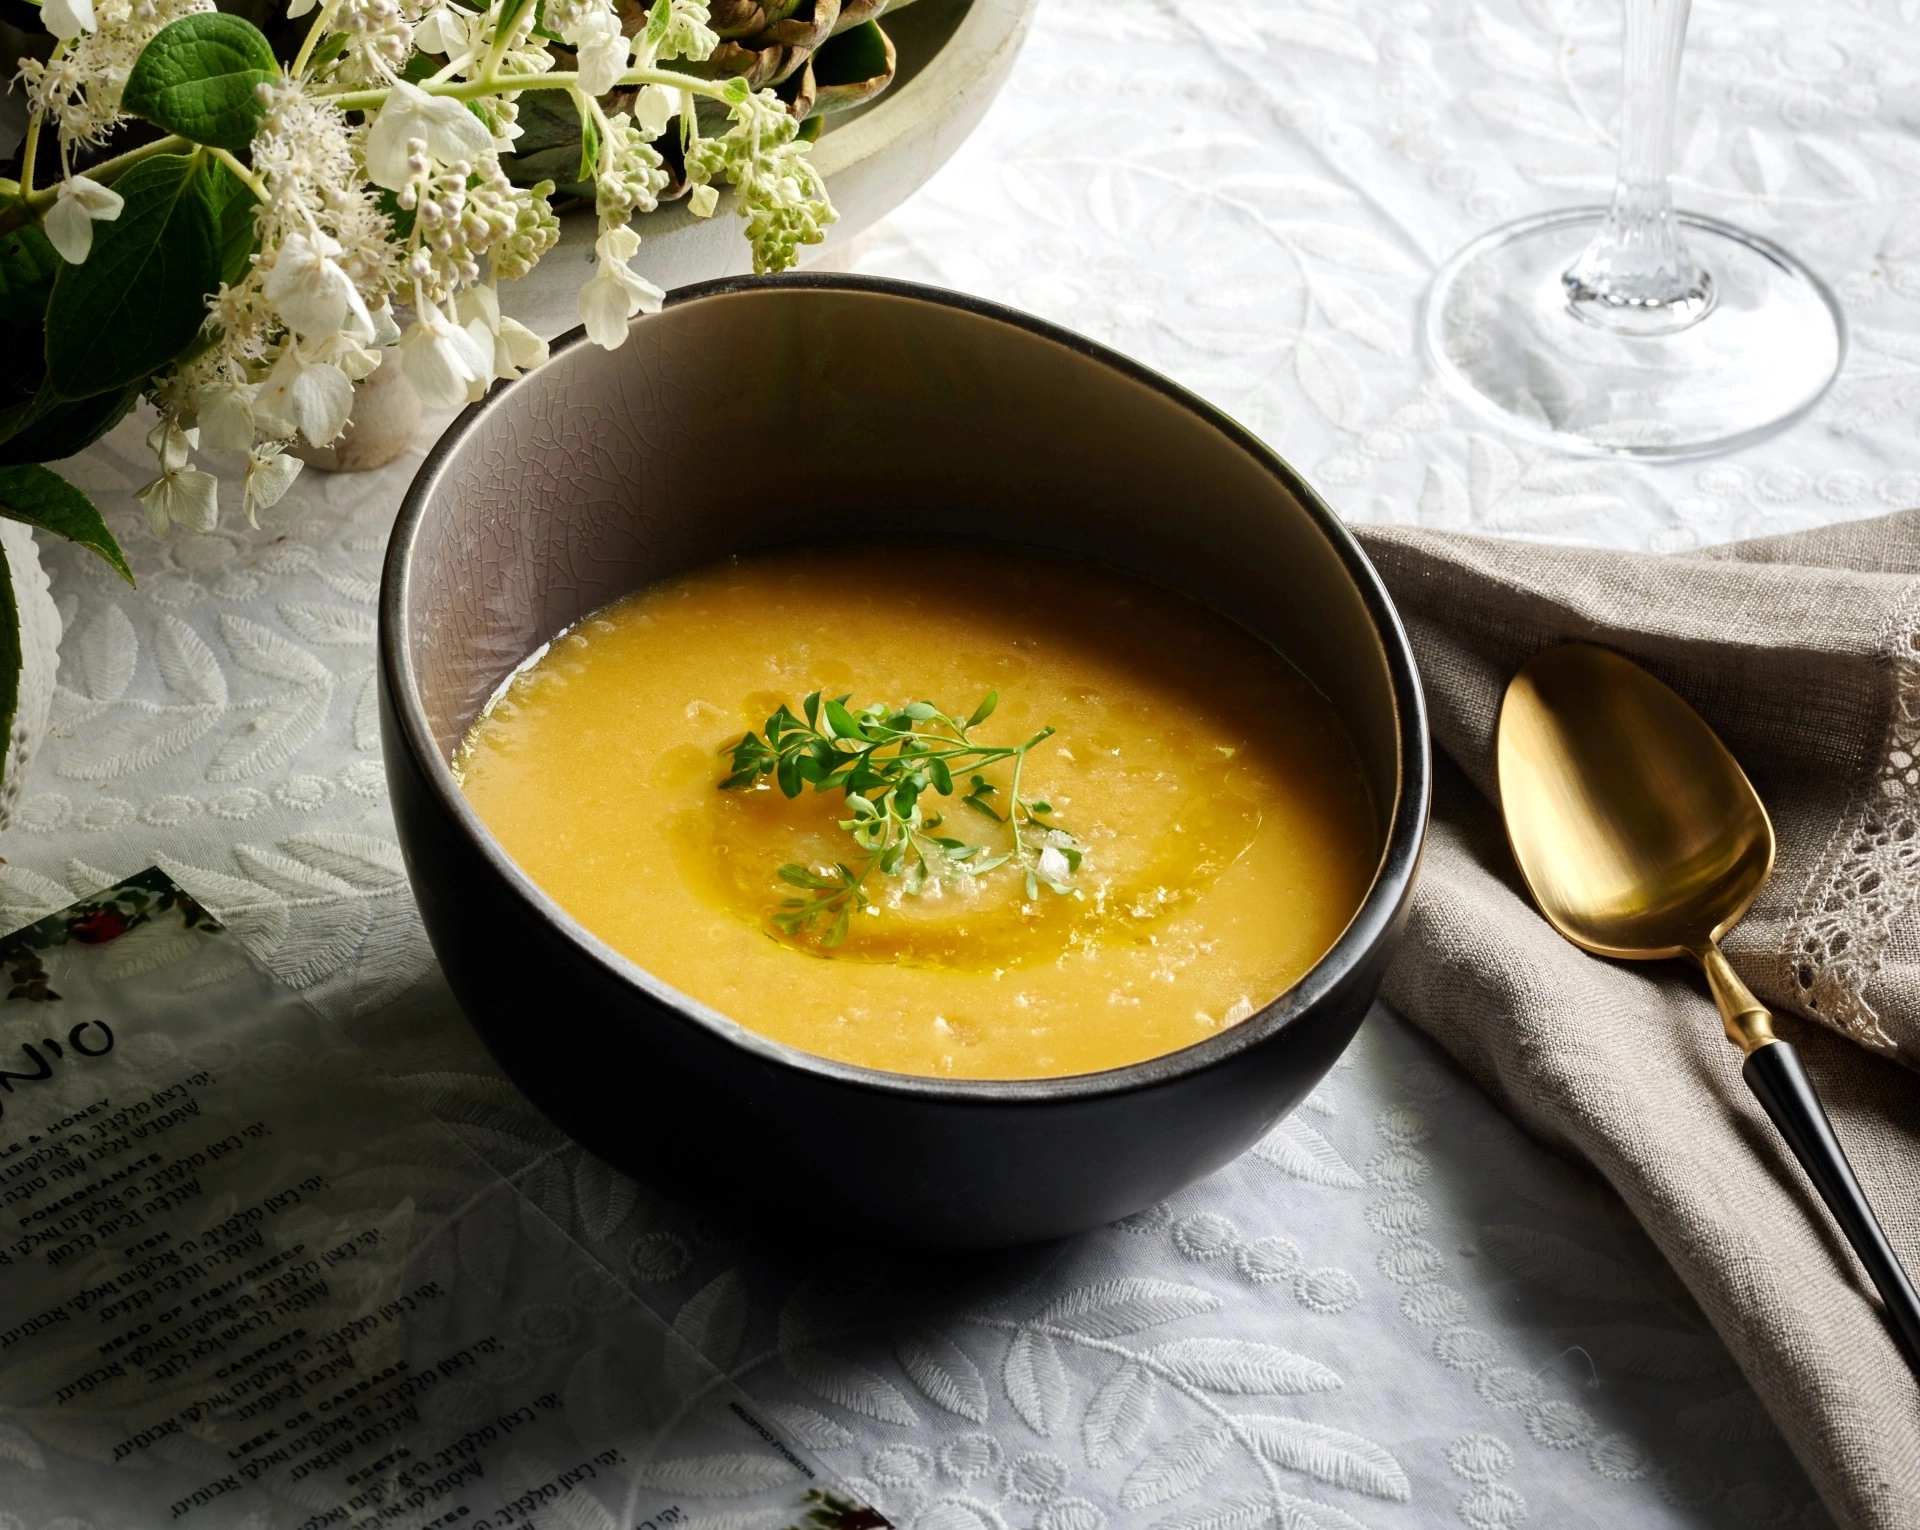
{"x":954,"y":55}
{"x":895,"y":408}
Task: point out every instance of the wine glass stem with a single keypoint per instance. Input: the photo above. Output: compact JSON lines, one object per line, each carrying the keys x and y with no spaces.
{"x":1637,"y":274}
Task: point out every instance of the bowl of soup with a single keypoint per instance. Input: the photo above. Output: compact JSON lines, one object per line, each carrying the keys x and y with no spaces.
{"x":866,"y":755}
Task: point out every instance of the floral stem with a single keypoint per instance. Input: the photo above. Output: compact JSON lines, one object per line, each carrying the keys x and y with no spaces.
{"x":1013,"y":807}
{"x":506,"y":19}
{"x":108,"y":170}
{"x":452,"y":67}
{"x":321,"y":26}
{"x":247,"y":177}
{"x":29,"y":150}
{"x":558,"y":79}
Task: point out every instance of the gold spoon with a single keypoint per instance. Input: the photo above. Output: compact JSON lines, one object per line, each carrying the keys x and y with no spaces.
{"x":1640,"y":838}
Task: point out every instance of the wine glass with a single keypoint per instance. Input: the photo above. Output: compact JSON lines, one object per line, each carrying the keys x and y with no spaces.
{"x":1634,"y":330}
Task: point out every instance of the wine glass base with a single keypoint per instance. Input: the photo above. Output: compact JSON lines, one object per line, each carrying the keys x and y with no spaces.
{"x":1499,"y":328}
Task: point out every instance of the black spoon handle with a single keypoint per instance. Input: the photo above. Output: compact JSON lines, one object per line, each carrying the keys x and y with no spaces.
{"x":1774,"y":1074}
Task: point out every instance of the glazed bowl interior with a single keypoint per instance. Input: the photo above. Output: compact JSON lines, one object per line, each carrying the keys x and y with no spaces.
{"x":747,"y":416}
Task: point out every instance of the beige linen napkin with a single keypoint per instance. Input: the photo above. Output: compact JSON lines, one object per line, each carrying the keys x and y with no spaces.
{"x":1804,"y":653}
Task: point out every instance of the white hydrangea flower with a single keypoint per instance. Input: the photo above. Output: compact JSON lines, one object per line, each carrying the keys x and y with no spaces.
{"x":67,"y":19}
{"x":654,"y":108}
{"x":304,"y":393}
{"x":688,"y":35}
{"x":377,"y":40}
{"x":603,"y":50}
{"x":183,"y":496}
{"x":444,"y":125}
{"x":442,"y":359}
{"x":358,"y":361}
{"x":310,"y":290}
{"x":513,"y":347}
{"x":615,"y":293}
{"x":310,"y":313}
{"x":516,"y":349}
{"x":270,"y":473}
{"x":777,"y":189}
{"x":170,"y":443}
{"x":442,"y":30}
{"x":302,"y":323}
{"x":386,"y":330}
{"x":78,"y":205}
{"x":80,"y":85}
{"x":225,"y":411}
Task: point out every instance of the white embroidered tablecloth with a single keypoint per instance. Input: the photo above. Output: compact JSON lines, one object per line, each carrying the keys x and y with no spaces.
{"x":1396,"y":1312}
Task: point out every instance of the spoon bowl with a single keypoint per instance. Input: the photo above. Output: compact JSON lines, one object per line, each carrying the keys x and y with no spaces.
{"x":1637,"y":831}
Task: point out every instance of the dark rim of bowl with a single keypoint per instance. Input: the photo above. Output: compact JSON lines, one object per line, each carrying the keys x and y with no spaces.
{"x":1393,"y":878}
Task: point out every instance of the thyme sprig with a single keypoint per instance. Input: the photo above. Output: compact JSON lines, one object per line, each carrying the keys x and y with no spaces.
{"x":885,"y":761}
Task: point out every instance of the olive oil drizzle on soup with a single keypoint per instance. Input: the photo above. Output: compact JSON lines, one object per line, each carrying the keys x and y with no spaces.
{"x":1228,"y":833}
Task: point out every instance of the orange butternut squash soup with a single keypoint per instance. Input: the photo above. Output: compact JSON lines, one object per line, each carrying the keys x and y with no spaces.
{"x":944,"y":810}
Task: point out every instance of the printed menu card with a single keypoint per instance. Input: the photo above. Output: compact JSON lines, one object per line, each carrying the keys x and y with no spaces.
{"x":243,"y":1286}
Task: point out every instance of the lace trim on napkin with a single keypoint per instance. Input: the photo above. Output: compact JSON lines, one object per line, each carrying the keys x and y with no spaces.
{"x":1870,"y":874}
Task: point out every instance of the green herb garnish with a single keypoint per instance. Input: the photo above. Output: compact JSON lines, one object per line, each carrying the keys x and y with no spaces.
{"x":885,"y":760}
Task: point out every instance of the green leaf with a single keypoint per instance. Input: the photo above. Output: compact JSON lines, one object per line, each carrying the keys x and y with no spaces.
{"x":28,"y":265}
{"x":549,"y":143}
{"x":840,"y":721}
{"x":985,"y":710}
{"x":802,"y":876}
{"x":856,"y":56}
{"x":141,"y":296}
{"x":333,"y":49}
{"x":658,"y":20}
{"x":47,"y":428}
{"x":197,"y":78}
{"x":232,"y":203}
{"x":42,"y":498}
{"x":9,"y":656}
{"x":589,"y":150}
{"x":850,"y":67}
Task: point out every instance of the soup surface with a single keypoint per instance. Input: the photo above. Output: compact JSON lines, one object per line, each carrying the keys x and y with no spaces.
{"x":1223,"y":833}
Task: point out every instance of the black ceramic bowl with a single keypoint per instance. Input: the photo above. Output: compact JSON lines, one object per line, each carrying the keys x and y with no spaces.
{"x":744,"y":416}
